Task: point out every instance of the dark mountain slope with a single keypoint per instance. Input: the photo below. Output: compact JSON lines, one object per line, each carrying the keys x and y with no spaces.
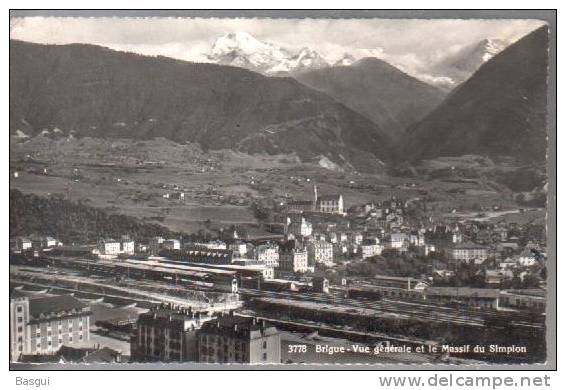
{"x":102,"y":93}
{"x":499,"y":111}
{"x":379,"y":91}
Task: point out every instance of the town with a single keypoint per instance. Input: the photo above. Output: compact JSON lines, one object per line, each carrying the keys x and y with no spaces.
{"x":387,"y":273}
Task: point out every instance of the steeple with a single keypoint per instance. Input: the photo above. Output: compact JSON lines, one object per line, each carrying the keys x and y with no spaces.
{"x":315,"y":190}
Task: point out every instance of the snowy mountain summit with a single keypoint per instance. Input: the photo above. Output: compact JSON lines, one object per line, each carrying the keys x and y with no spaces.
{"x":346,"y":60}
{"x":243,"y":50}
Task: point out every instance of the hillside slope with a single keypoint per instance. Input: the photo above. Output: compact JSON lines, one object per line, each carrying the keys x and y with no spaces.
{"x":379,"y":91}
{"x":98,"y":92}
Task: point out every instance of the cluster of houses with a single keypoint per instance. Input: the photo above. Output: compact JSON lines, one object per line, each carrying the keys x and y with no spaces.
{"x":322,"y":233}
{"x":33,"y":242}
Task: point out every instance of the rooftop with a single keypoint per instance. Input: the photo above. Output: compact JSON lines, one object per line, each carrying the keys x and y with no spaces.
{"x":55,"y":304}
{"x":468,"y":245}
{"x":335,"y":197}
{"x":461,"y":292}
{"x":299,"y":202}
{"x":239,"y":327}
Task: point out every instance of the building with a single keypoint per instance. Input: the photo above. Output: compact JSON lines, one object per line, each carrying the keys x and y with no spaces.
{"x":89,"y":355}
{"x":485,"y":298}
{"x":321,"y":285}
{"x":299,"y":206}
{"x":239,"y":248}
{"x":244,"y":268}
{"x":417,"y":238}
{"x":298,"y":226}
{"x":43,"y":242}
{"x":127,"y":246}
{"x":426,"y":249}
{"x":171,"y":244}
{"x":527,"y":259}
{"x":293,"y":258}
{"x":234,"y":232}
{"x":195,"y":254}
{"x":494,"y":278}
{"x":397,"y":240}
{"x":530,"y":300}
{"x":332,"y":204}
{"x":371,"y":247}
{"x":155,"y":244}
{"x":40,"y":326}
{"x":235,"y":339}
{"x":267,"y":254}
{"x":174,"y":195}
{"x":23,"y":243}
{"x":320,"y":252}
{"x":109,"y":247}
{"x":217,"y":244}
{"x":468,"y":253}
{"x":357,"y":238}
{"x":86,"y":251}
{"x":167,"y":333}
{"x":442,"y":236}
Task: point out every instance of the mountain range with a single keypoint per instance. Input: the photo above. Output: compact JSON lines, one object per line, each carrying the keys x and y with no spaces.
{"x":243,"y":50}
{"x":94,"y":91}
{"x":499,"y":111}
{"x":356,"y":113}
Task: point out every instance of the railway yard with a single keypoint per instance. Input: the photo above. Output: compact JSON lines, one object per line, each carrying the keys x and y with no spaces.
{"x":334,"y":314}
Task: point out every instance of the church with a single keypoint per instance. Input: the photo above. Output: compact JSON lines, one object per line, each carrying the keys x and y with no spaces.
{"x":329,"y":204}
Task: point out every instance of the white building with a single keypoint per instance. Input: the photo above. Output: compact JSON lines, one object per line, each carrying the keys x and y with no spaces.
{"x":397,"y":240}
{"x":127,"y":246}
{"x":114,"y":247}
{"x":172,"y":244}
{"x":48,"y":242}
{"x":426,"y":249}
{"x":417,"y":238}
{"x":468,"y":253}
{"x":268,"y":254}
{"x":298,"y":226}
{"x":293,"y":258}
{"x":239,"y":248}
{"x":320,"y":252}
{"x":23,"y":243}
{"x":357,"y":238}
{"x":109,"y":247}
{"x":371,"y":247}
{"x":333,"y":204}
{"x":217,"y":244}
{"x":527,"y":259}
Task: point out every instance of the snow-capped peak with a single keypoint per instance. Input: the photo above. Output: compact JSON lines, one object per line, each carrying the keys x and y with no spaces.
{"x":244,"y":50}
{"x":246,"y":44}
{"x":346,"y":60}
{"x":491,"y":46}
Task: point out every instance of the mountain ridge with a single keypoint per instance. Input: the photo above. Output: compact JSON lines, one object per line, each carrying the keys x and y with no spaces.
{"x":95,"y":91}
{"x":378,"y":90}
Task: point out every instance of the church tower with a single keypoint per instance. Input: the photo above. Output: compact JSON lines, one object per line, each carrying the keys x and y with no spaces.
{"x":314,"y":204}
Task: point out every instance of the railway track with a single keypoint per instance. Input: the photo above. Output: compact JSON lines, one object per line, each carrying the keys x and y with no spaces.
{"x":419,"y":310}
{"x":406,"y":308}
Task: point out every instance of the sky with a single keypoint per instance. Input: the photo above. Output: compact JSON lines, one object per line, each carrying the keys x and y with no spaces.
{"x":413,"y":45}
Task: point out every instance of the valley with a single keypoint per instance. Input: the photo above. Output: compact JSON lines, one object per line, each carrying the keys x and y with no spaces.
{"x":220,"y":187}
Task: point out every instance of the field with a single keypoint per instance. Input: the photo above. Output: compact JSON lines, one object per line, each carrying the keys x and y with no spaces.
{"x":132,"y":177}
